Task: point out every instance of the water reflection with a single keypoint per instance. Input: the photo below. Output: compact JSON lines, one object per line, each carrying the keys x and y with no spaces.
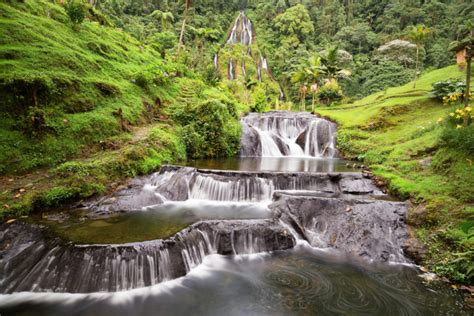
{"x":281,"y":164}
{"x":302,"y":281}
{"x":155,"y":222}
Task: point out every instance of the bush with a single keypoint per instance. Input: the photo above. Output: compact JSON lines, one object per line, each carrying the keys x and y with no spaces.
{"x":445,"y":89}
{"x":330,"y":92}
{"x":210,"y":129}
{"x":76,"y":10}
{"x":459,"y":138}
{"x":260,"y":103}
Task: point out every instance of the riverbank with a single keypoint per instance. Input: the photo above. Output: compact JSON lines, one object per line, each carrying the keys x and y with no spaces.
{"x":396,"y":134}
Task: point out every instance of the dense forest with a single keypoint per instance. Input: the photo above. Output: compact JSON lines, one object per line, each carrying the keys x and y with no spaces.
{"x":95,"y":92}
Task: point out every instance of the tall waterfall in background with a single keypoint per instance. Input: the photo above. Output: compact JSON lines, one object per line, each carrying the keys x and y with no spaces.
{"x":280,"y":134}
{"x":242,"y":31}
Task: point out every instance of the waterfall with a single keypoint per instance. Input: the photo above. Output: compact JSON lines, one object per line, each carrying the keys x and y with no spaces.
{"x":242,"y":31}
{"x":269,"y":147}
{"x":282,"y":94}
{"x":216,"y":61}
{"x":231,"y":70}
{"x":283,"y":133}
{"x":38,"y":263}
{"x":264,"y":63}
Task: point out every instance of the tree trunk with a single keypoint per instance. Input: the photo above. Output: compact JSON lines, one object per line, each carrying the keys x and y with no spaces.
{"x":183,"y":27}
{"x":416,"y":66}
{"x":468,"y":76}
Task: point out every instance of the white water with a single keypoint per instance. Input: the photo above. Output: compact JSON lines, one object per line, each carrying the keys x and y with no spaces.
{"x":279,"y":135}
{"x":269,"y":147}
{"x":231,"y":70}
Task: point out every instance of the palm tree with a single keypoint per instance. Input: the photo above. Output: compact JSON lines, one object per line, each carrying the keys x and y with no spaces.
{"x":300,"y":77}
{"x":330,"y":64}
{"x":418,"y":35}
{"x":166,"y":18}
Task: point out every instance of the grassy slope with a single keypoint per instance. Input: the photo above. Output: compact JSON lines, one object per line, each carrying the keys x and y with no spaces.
{"x":395,"y":132}
{"x":83,"y":78}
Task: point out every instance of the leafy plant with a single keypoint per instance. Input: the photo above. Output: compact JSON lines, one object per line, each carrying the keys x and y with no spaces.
{"x":260,"y":104}
{"x":76,"y":10}
{"x":330,"y":92}
{"x":443,"y":90}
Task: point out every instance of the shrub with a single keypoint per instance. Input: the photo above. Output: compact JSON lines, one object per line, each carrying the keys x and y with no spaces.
{"x":210,"y":129}
{"x":460,"y":139}
{"x":260,"y":103}
{"x":443,"y":90}
{"x":330,"y":92}
{"x":76,"y":10}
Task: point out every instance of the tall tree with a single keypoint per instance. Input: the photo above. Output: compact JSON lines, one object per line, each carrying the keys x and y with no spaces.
{"x":187,"y":5}
{"x":418,"y":35}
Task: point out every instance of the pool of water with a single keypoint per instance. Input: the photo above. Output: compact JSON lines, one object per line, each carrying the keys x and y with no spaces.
{"x":302,"y":281}
{"x":281,"y":164}
{"x":155,"y":222}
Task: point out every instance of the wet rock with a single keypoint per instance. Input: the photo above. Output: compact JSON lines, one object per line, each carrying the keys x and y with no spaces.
{"x":429,"y":277}
{"x":417,"y":214}
{"x":415,"y":250}
{"x":372,"y":229}
{"x":31,"y":259}
{"x":249,"y":142}
{"x":284,"y":148}
{"x":301,"y":140}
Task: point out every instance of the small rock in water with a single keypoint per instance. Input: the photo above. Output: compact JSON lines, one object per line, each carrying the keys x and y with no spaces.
{"x":348,"y":209}
{"x":429,"y":277}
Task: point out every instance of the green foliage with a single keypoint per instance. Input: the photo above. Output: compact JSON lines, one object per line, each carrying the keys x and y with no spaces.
{"x":294,"y":22}
{"x":260,"y":103}
{"x":447,"y":88}
{"x":459,"y":138}
{"x":371,"y":78}
{"x":329,"y":93}
{"x":58,"y":196}
{"x":211,"y":129}
{"x":76,"y":10}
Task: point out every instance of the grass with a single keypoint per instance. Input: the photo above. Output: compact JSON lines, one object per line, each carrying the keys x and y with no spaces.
{"x":74,"y":82}
{"x":395,"y":133}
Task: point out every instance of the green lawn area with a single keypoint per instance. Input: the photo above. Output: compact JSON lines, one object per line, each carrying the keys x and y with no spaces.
{"x":396,"y":134}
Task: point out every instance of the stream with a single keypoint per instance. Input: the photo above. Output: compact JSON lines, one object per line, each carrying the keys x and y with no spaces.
{"x":289,"y":228}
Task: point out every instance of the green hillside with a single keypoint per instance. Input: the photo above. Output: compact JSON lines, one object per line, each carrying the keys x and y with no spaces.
{"x":397,"y":134}
{"x":86,"y":106}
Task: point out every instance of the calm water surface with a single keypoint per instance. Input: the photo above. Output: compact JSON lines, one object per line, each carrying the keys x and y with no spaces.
{"x":155,"y":222}
{"x":283,"y":164}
